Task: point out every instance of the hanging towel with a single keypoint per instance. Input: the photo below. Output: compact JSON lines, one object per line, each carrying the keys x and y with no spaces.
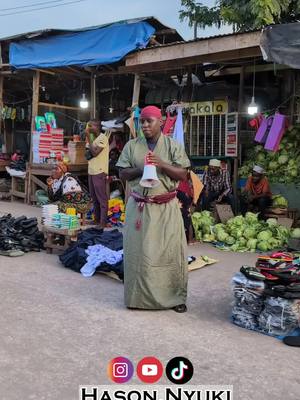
{"x":178,"y":134}
{"x":169,"y":125}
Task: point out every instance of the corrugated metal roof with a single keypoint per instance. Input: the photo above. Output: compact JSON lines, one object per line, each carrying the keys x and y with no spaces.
{"x":53,"y":31}
{"x":202,"y":39}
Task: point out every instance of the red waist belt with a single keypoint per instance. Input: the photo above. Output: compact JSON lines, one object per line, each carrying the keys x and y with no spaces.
{"x":142,"y":200}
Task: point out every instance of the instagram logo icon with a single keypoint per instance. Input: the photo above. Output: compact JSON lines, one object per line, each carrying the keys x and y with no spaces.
{"x":120,"y":370}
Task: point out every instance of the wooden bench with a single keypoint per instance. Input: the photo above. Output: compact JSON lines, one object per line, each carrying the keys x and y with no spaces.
{"x":59,"y":239}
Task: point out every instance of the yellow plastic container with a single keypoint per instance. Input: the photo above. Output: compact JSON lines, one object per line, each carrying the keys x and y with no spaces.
{"x":71,"y":211}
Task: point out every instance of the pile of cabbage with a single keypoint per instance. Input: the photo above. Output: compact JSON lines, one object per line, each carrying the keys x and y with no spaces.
{"x":282,"y":166}
{"x":241,"y":233}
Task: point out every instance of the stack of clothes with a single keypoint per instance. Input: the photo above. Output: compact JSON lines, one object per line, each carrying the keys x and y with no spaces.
{"x":95,"y":250}
{"x":268,"y":295}
{"x":249,"y":301}
{"x":281,"y":314}
{"x":19,"y":235}
{"x":18,"y":162}
{"x":279,"y":317}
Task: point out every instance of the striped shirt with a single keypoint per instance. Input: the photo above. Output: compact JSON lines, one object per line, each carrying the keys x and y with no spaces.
{"x":217,"y":183}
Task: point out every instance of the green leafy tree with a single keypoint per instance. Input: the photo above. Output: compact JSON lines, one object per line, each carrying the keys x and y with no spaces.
{"x":243,"y":15}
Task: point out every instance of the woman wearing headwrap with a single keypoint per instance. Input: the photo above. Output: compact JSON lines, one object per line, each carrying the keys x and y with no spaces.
{"x":66,"y":190}
{"x":155,"y":261}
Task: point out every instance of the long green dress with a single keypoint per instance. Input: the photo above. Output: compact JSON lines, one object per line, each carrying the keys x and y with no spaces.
{"x":155,"y":261}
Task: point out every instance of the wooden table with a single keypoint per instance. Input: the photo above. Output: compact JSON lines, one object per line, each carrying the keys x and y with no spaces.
{"x":4,"y":164}
{"x":37,"y":170}
{"x":67,"y":235}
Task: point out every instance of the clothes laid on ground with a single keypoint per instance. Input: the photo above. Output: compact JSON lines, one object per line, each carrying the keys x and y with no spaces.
{"x":21,"y":234}
{"x":98,"y":254}
{"x":75,"y":256}
{"x":155,"y":260}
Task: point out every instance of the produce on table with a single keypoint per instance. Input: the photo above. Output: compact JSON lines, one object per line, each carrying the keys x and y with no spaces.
{"x":242,"y":233}
{"x":295,"y":234}
{"x":288,"y":156}
{"x":279,"y":201}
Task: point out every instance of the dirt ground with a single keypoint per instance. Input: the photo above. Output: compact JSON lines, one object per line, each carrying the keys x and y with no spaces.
{"x":60,"y":330}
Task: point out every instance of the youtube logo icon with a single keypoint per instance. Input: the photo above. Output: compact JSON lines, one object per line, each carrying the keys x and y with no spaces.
{"x":149,"y":370}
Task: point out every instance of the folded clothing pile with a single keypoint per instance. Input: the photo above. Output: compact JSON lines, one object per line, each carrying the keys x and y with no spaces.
{"x":64,"y":221}
{"x":279,"y":316}
{"x":76,"y":256}
{"x":249,"y":301}
{"x":19,"y":235}
{"x":268,"y":297}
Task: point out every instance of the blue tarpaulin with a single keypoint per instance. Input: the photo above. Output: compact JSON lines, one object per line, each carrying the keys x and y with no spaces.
{"x":104,"y":45}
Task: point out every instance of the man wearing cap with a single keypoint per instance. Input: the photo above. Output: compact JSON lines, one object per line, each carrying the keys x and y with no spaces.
{"x":155,"y":260}
{"x":257,"y":193}
{"x":217,"y":185}
{"x":98,"y":170}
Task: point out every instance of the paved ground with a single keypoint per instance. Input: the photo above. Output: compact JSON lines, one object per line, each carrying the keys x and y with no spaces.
{"x":59,"y":330}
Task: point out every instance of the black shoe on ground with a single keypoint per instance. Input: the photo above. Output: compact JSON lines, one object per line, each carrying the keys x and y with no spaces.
{"x":181,"y":308}
{"x":292,"y":341}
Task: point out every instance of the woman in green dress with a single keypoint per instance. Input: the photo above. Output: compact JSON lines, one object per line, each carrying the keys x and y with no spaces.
{"x":155,"y":261}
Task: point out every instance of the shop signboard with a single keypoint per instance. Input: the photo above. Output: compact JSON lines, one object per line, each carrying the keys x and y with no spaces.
{"x":231,"y":135}
{"x":207,"y":107}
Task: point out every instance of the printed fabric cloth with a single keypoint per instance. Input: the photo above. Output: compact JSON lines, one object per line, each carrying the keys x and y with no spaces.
{"x":97,"y":255}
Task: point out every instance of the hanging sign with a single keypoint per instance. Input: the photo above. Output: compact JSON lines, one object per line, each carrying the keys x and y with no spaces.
{"x":207,"y":107}
{"x":231,"y":135}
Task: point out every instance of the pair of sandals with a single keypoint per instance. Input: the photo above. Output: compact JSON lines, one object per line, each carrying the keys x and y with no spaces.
{"x":252,"y":273}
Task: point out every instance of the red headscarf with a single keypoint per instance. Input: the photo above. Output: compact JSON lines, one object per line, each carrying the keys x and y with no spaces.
{"x":151,"y":112}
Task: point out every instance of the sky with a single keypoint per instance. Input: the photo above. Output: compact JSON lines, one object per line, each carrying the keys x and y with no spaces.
{"x":70,"y":14}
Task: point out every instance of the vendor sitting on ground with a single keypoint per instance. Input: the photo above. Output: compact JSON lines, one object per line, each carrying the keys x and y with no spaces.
{"x":66,"y":191}
{"x":217,"y":186}
{"x":257,"y":194}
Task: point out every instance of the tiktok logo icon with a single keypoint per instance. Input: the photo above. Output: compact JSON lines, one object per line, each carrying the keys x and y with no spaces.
{"x":179,"y":370}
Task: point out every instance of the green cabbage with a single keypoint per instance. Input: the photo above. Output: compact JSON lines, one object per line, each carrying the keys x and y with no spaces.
{"x":264,"y":236}
{"x":249,"y":233}
{"x":263,"y":246}
{"x":271,"y":221}
{"x":221,"y":236}
{"x":279,"y":201}
{"x":283,"y":159}
{"x":209,"y":238}
{"x":251,"y":244}
{"x":295,"y":234}
{"x":251,"y":218}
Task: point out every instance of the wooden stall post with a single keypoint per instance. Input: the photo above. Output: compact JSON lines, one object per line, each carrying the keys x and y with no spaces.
{"x":1,"y":107}
{"x":135,"y":100}
{"x":34,"y":113}
{"x":93,"y":96}
{"x":236,"y":159}
{"x":136,"y":89}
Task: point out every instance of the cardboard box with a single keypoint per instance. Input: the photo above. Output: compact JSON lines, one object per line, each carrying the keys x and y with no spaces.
{"x":223,"y":212}
{"x":287,"y":222}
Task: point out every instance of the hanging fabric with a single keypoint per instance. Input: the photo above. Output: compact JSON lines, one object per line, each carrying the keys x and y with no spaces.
{"x":169,"y":124}
{"x":178,"y":134}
